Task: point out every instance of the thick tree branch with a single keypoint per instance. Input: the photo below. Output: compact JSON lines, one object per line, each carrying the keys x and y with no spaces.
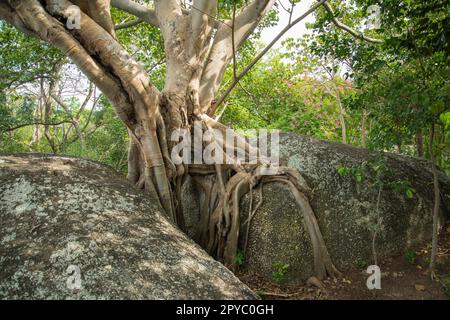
{"x":166,"y":10}
{"x":348,"y":29}
{"x":140,"y":11}
{"x":7,"y":14}
{"x":233,"y":41}
{"x":114,"y":57}
{"x":175,"y":27}
{"x":202,"y":23}
{"x":221,"y":52}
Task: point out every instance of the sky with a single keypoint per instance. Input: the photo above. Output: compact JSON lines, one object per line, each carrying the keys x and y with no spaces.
{"x":296,"y":31}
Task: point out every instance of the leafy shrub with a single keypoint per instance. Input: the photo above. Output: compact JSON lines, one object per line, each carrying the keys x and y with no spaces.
{"x":279,"y":271}
{"x":239,"y":258}
{"x":410,"y":256}
{"x":446,"y":283}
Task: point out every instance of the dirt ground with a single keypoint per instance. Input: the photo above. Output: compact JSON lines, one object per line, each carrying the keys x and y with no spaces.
{"x":403,"y":277}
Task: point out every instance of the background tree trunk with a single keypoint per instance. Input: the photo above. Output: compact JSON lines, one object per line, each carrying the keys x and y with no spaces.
{"x":437,"y":200}
{"x":419,"y":144}
{"x":364,"y":129}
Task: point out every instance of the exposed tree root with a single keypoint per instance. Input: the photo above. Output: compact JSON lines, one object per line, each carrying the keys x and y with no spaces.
{"x":219,"y":226}
{"x":314,"y":282}
{"x":220,"y":222}
{"x":222,"y":188}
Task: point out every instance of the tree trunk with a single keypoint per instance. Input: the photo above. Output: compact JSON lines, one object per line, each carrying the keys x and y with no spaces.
{"x":196,"y":62}
{"x":48,"y":112}
{"x":437,"y":200}
{"x":419,"y":144}
{"x":399,"y":147}
{"x":36,"y":135}
{"x":341,"y":117}
{"x":363,"y":129}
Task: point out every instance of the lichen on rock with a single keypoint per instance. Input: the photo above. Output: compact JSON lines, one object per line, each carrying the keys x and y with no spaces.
{"x":75,"y":229}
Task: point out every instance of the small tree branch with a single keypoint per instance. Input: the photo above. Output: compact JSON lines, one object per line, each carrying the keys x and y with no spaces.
{"x":221,"y":52}
{"x":40,"y":123}
{"x":348,"y":29}
{"x":138,"y":10}
{"x":128,"y":24}
{"x":260,"y":55}
{"x":74,"y":123}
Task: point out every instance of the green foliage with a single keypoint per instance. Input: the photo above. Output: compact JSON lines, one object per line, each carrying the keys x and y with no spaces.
{"x":446,"y":285}
{"x":24,"y":59}
{"x":279,"y":271}
{"x":356,"y":172}
{"x":403,"y":187}
{"x":239,"y":259}
{"x":400,"y":83}
{"x":410,"y":256}
{"x":276,"y":95}
{"x":377,"y":174}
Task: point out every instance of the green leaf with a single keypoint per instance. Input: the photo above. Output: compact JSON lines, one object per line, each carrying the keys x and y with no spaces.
{"x":437,"y":107}
{"x":410,"y":193}
{"x":342,"y":170}
{"x":359,"y":177}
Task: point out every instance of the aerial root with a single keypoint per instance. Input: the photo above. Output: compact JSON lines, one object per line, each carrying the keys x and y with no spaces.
{"x":223,"y":221}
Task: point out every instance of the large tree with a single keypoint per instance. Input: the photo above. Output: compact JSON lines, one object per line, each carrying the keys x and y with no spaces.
{"x":198,"y":47}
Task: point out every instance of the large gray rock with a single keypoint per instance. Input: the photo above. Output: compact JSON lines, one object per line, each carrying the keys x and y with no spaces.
{"x":59,"y":214}
{"x":342,"y":207}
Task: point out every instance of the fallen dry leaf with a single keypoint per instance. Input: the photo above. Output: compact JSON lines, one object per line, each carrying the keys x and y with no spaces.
{"x":419,"y":287}
{"x":346,"y":281}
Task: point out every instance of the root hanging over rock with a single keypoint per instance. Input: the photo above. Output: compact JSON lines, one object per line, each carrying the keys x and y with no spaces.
{"x":223,"y":186}
{"x":220,"y":222}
